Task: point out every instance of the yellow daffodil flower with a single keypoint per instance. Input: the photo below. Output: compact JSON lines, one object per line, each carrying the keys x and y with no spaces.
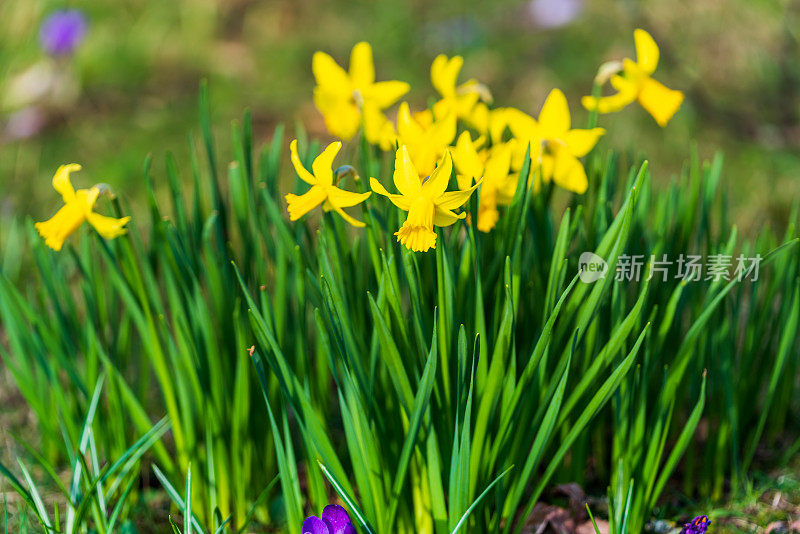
{"x":555,"y":147}
{"x":322,"y":191}
{"x":78,"y":206}
{"x":459,"y":100}
{"x":494,"y":167}
{"x":378,"y":129}
{"x":636,"y":84}
{"x":426,"y":137}
{"x":491,"y":122}
{"x":425,"y":200}
{"x":349,"y":99}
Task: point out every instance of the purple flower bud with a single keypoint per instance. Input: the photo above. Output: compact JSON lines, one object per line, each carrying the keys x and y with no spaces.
{"x":62,"y":31}
{"x":334,"y":521}
{"x":315,"y":525}
{"x":698,"y":525}
{"x":337,"y":519}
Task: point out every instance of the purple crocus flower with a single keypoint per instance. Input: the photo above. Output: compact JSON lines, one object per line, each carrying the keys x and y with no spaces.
{"x":698,"y":525}
{"x":554,"y":13}
{"x":334,"y":521}
{"x":62,"y":31}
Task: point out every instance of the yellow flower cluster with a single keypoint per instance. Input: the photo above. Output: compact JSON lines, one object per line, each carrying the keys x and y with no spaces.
{"x":486,"y":146}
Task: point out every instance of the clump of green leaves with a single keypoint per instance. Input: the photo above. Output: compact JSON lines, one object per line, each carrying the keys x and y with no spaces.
{"x":443,"y":391}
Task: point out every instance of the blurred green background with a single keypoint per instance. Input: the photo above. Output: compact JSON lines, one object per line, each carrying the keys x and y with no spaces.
{"x":136,"y":77}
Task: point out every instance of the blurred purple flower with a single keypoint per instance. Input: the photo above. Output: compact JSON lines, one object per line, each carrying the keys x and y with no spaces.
{"x":698,"y":525}
{"x":554,"y":13}
{"x":62,"y":31}
{"x":334,"y":521}
{"x":25,"y":123}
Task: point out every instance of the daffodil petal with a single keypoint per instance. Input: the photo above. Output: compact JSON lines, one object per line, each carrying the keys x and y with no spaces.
{"x":407,"y":127}
{"x":362,"y":69}
{"x":384,"y":94}
{"x":547,"y":165}
{"x":499,"y":163}
{"x":108,"y":227}
{"x":348,"y":218}
{"x":423,"y":118}
{"x":323,"y":164}
{"x":61,"y":182}
{"x":342,"y":116}
{"x":61,"y":225}
{"x":444,"y":131}
{"x":299,"y":205}
{"x":522,"y":125}
{"x":304,"y":175}
{"x":377,"y":187}
{"x":580,"y":142}
{"x":646,"y":51}
{"x":345,"y":199}
{"x":487,"y":216}
{"x":444,"y":73}
{"x":398,"y":200}
{"x":554,"y":118}
{"x":459,"y":105}
{"x":464,"y":181}
{"x":498,"y":122}
{"x":612,"y":103}
{"x":444,"y":217}
{"x":377,"y":128}
{"x":568,"y":173}
{"x":406,"y":177}
{"x":507,"y":189}
{"x":85,"y":198}
{"x":660,"y":101}
{"x":455,"y":199}
{"x":632,"y":74}
{"x":591,"y":103}
{"x":425,"y":138}
{"x":330,"y":75}
{"x":466,"y":158}
{"x":479,"y":118}
{"x":437,"y":183}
